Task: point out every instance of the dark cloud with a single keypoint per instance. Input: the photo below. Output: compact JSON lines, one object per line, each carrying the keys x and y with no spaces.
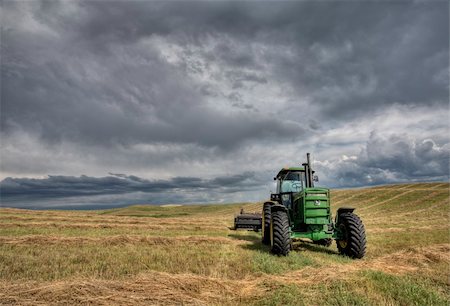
{"x":129,"y":95}
{"x":12,"y":190}
{"x":397,"y":158}
{"x":367,"y":56}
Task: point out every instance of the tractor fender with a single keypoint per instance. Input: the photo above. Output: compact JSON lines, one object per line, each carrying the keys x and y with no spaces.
{"x":279,"y":207}
{"x":271,"y":203}
{"x":343,"y":210}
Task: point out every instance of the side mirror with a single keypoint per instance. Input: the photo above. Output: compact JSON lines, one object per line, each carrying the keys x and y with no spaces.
{"x":315,"y":178}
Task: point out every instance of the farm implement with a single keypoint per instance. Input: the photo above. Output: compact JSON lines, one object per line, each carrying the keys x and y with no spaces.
{"x":248,"y":221}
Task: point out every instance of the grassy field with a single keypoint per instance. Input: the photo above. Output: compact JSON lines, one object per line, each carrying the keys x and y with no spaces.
{"x":188,"y":255}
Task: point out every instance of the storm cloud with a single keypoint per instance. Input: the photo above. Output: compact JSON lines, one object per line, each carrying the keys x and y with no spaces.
{"x":199,"y":94}
{"x":130,"y":189}
{"x":398,"y":158}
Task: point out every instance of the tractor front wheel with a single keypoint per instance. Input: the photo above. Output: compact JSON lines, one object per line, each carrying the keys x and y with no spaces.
{"x":266,"y":216}
{"x":353,"y":236}
{"x":280,"y":240}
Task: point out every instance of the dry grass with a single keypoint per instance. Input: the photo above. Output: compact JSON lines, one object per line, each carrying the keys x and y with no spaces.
{"x":188,"y":255}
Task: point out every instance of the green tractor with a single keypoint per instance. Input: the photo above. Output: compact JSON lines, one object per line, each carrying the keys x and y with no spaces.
{"x":300,"y":210}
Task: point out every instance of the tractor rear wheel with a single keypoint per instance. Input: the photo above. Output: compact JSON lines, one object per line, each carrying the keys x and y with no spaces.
{"x":353,"y":242}
{"x":266,"y":216}
{"x":280,"y":239}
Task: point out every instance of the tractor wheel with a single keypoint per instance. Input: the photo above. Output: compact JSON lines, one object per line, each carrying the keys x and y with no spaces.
{"x":266,"y":216}
{"x":325,"y":242}
{"x":353,"y":243}
{"x":280,"y":239}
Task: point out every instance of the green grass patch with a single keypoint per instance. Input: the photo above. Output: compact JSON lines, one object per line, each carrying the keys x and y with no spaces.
{"x":329,"y":293}
{"x":389,"y":242}
{"x":407,"y":290}
{"x":341,"y":293}
{"x":265,"y":262}
{"x":281,"y":294}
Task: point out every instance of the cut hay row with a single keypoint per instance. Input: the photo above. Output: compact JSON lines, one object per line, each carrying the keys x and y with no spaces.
{"x":342,"y":196}
{"x":376,"y":230}
{"x":400,"y":221}
{"x":411,"y":208}
{"x":362,"y":199}
{"x":390,"y":199}
{"x":350,"y":193}
{"x":374,"y":201}
{"x":65,"y":213}
{"x":134,"y":212}
{"x":431,"y":208}
{"x":444,"y":186}
{"x":153,"y":288}
{"x":192,"y":226}
{"x":116,"y":240}
{"x":107,"y":221}
{"x":396,"y":263}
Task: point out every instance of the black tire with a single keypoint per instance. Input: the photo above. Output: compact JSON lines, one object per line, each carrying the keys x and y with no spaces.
{"x":265,"y":226}
{"x":280,"y":239}
{"x":325,"y":242}
{"x":353,"y":243}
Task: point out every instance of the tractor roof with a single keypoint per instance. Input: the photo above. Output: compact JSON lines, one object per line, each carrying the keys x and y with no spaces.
{"x":288,"y":169}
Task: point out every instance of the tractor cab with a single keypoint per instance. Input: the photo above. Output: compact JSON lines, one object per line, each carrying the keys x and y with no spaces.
{"x":290,"y":181}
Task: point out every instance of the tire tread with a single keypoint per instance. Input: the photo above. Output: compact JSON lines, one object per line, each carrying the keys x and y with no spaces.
{"x":356,"y":243}
{"x":281,"y":236}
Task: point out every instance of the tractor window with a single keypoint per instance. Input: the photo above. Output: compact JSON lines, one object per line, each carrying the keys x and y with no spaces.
{"x":292,"y":182}
{"x":292,"y":176}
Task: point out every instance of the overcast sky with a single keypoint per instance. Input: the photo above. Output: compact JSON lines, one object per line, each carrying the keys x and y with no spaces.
{"x":115,"y":102}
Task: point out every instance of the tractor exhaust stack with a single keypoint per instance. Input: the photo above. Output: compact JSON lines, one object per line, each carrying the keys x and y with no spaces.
{"x":309,"y":178}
